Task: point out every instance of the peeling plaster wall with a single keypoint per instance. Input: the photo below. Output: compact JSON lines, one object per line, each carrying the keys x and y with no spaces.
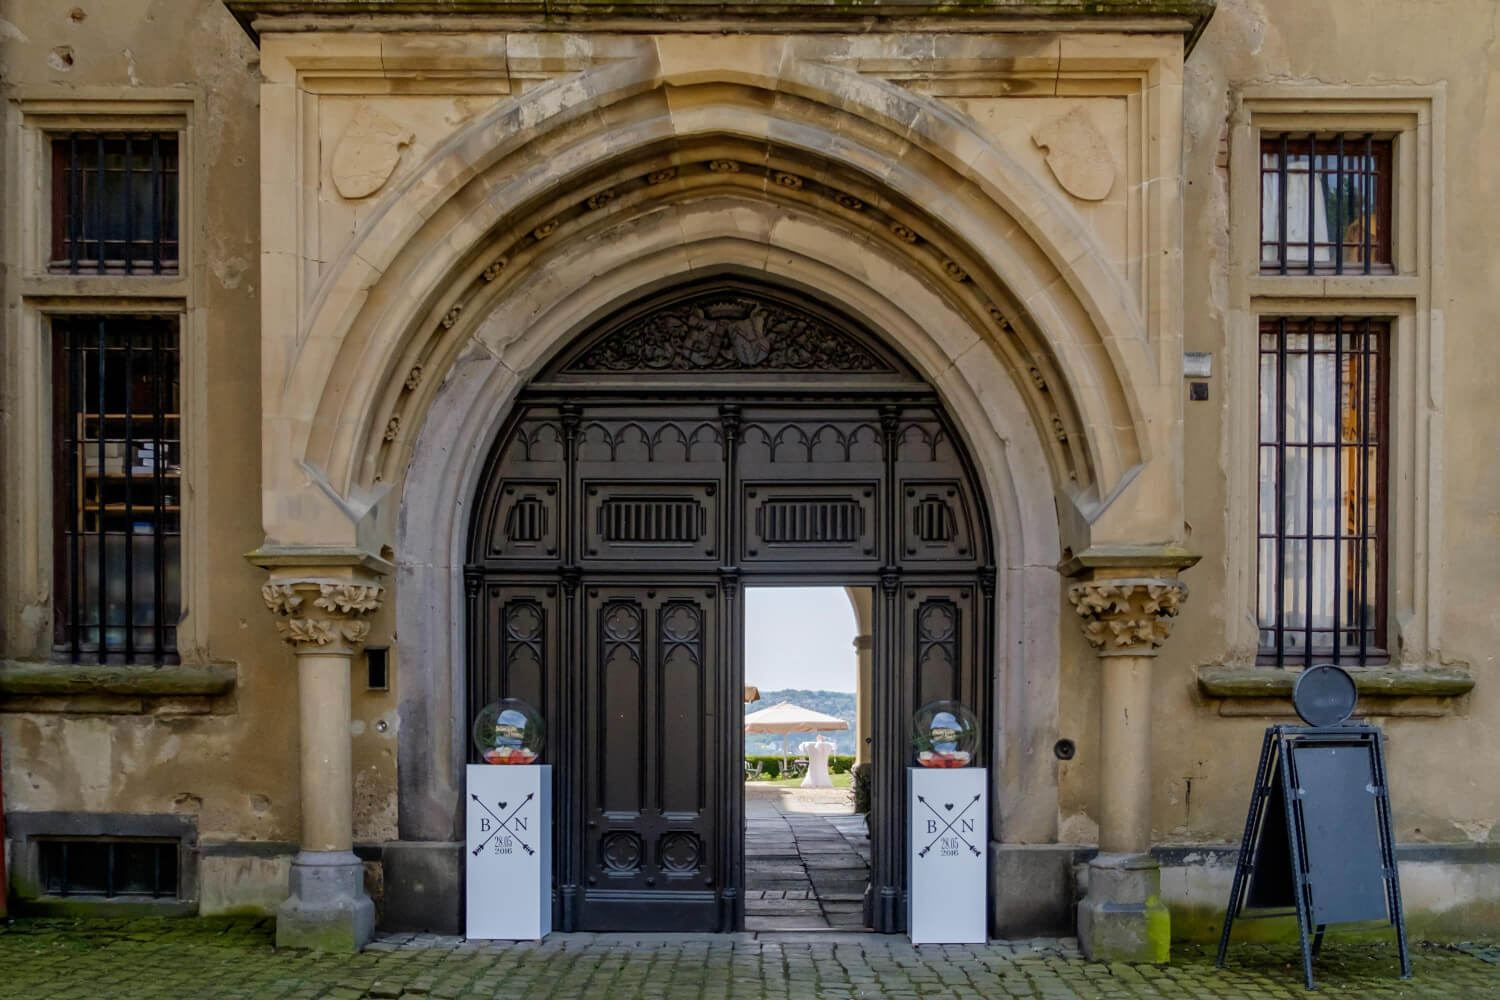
{"x":1445,"y":782}
{"x":231,"y":761}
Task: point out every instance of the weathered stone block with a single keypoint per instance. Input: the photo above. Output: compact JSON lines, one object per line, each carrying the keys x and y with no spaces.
{"x":1123,"y":918}
{"x":423,"y":887}
{"x":1032,"y":890}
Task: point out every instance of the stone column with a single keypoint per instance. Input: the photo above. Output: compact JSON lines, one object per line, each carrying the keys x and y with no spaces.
{"x":1125,"y":619}
{"x":864,"y":650}
{"x":324,"y":621}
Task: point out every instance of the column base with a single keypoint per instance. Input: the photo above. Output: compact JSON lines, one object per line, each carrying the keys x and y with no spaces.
{"x":1122,"y":919}
{"x":328,"y":909}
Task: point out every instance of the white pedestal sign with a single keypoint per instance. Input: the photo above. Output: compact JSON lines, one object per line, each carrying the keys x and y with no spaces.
{"x":947,"y":864}
{"x":509,"y":864}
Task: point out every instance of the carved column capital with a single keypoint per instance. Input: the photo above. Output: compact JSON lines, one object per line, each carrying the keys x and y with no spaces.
{"x":1127,"y":616}
{"x":322,"y":616}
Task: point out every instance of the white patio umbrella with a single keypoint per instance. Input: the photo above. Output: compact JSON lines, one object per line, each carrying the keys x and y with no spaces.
{"x":787,"y":718}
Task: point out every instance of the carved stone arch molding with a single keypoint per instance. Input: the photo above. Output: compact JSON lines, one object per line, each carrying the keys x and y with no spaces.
{"x":1019,"y":262}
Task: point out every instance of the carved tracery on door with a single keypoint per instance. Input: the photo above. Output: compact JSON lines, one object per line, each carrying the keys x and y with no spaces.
{"x":718,"y":435}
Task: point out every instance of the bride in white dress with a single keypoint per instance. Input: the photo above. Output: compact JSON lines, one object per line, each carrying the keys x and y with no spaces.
{"x":817,"y":754}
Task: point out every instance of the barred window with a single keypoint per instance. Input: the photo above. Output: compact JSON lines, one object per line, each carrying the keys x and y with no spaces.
{"x":1323,"y":404}
{"x":117,"y":488}
{"x":114,"y":203}
{"x":1325,"y":204}
{"x":132,"y":869}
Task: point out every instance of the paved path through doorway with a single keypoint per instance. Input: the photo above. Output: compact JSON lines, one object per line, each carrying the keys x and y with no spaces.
{"x":807,"y":860}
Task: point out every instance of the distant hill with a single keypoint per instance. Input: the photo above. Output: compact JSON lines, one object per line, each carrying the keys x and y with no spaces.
{"x":839,"y":704}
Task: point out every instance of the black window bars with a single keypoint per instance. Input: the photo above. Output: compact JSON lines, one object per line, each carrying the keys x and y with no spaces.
{"x":1324,"y":386}
{"x":1325,"y":204}
{"x":114,"y":203}
{"x":109,"y":868}
{"x":117,"y":488}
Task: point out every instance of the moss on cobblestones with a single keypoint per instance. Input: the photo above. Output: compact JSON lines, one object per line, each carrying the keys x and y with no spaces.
{"x":234,"y":959}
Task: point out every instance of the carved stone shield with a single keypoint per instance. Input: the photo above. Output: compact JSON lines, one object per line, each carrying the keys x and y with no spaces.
{"x":1077,"y":154}
{"x":367,"y":153}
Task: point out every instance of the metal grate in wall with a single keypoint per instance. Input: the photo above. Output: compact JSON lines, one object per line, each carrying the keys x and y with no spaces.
{"x":112,"y":869}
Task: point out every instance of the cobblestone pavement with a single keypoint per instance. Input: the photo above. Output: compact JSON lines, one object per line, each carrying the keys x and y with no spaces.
{"x":159,"y":959}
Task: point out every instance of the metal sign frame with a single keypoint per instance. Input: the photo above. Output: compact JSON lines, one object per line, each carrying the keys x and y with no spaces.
{"x":1277,"y":778}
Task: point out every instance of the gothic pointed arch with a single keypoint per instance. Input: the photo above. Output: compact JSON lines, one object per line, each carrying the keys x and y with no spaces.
{"x":1069,"y":321}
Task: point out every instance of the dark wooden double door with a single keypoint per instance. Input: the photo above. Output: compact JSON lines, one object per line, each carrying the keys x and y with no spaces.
{"x":631,"y":499}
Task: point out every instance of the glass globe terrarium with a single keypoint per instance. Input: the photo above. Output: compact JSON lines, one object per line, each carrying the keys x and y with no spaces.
{"x":944,"y":734}
{"x":509,"y":731}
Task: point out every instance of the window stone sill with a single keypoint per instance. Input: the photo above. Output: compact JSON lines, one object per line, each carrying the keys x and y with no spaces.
{"x":63,"y":680}
{"x":1267,"y":691}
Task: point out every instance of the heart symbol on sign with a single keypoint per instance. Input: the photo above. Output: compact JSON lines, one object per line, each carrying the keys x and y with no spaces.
{"x":502,"y":805}
{"x":946,"y":805}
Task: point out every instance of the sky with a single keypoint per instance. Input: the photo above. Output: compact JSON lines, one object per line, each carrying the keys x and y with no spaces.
{"x":799,"y":637}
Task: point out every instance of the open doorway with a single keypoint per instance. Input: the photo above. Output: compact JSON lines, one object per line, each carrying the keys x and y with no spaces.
{"x":807,"y":744}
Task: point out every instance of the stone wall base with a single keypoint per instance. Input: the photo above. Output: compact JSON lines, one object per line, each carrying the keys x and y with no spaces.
{"x":243,"y":884}
{"x":1032,"y":890}
{"x":424,"y":886}
{"x":1449,"y":892}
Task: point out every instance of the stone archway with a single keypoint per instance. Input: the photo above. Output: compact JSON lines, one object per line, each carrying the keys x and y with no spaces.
{"x":389,"y":371}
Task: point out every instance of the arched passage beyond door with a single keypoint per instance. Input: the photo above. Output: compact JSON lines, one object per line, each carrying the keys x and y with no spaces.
{"x":703,"y":438}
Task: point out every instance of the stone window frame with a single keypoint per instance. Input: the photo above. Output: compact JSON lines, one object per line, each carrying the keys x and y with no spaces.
{"x":1413,"y":117}
{"x":42,"y":116}
{"x":36,"y":114}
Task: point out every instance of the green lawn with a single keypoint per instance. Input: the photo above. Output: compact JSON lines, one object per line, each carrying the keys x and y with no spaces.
{"x":839,"y":781}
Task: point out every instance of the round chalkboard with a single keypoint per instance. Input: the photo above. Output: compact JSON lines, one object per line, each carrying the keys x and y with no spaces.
{"x":1324,"y":695}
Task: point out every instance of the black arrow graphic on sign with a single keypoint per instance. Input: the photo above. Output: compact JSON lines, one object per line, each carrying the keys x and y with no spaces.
{"x":503,"y":824}
{"x":948,"y":825}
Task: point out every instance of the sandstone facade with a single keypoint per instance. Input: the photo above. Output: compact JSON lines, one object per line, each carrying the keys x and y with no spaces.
{"x":394,"y":215}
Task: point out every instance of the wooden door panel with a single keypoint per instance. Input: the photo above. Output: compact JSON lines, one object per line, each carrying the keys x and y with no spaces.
{"x":621,"y":708}
{"x":651,"y":842}
{"x":683,"y":711}
{"x":941,"y":647}
{"x":517,"y":649}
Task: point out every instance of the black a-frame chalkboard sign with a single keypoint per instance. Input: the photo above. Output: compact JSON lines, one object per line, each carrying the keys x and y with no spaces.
{"x":1318,"y":839}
